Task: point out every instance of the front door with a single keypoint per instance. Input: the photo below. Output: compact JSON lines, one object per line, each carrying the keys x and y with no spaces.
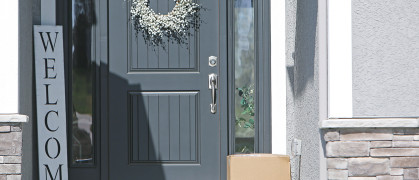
{"x":160,"y":122}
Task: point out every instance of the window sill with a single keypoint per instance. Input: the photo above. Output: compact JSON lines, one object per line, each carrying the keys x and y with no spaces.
{"x":370,"y":123}
{"x":13,"y":118}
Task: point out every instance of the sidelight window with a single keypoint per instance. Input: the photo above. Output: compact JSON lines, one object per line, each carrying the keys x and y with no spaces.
{"x":244,"y":76}
{"x":82,"y":87}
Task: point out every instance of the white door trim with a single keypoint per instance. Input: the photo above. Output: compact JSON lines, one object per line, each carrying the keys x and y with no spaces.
{"x":278,"y":78}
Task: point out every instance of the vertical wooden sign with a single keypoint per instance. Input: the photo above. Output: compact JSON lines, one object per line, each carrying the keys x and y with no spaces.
{"x":50,"y":101}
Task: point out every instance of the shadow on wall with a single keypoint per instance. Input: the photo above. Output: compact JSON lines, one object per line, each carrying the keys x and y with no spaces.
{"x":290,"y":72}
{"x":303,"y":106}
{"x":305,"y":47}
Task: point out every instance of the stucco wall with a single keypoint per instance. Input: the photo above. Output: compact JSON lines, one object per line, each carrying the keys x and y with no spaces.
{"x":385,"y":57}
{"x":303,"y":87}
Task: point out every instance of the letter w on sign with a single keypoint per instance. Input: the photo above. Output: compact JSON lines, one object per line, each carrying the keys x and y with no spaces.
{"x":50,"y":102}
{"x":48,"y":41}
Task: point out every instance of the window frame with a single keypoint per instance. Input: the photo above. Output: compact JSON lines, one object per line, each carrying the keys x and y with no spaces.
{"x":64,"y":18}
{"x":263,"y":132}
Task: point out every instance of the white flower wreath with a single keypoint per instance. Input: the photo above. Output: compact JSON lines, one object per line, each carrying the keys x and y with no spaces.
{"x":175,"y":25}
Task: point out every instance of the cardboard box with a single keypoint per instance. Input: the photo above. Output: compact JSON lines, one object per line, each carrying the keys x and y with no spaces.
{"x":258,"y":167}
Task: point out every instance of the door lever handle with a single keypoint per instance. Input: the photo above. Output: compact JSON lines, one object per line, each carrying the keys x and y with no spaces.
{"x":213,"y":85}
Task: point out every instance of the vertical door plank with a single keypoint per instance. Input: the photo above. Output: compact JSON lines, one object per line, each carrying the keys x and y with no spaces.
{"x":192,"y":59}
{"x":173,"y":55}
{"x":133,"y":50}
{"x":153,"y":57}
{"x":164,"y":123}
{"x":142,"y":54}
{"x":153,"y":117}
{"x":134,"y":128}
{"x":185,"y":150}
{"x":193,"y":119}
{"x":143,"y":128}
{"x":174,"y":127}
{"x":183,"y":56}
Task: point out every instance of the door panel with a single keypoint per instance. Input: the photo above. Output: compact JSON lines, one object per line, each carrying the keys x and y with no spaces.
{"x":169,"y":121}
{"x":160,"y":124}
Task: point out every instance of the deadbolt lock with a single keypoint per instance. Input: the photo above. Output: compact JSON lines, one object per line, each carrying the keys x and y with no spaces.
{"x":212,"y":61}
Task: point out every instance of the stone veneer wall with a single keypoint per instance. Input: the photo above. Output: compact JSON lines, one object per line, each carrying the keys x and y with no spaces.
{"x":10,"y":151}
{"x":369,"y":154}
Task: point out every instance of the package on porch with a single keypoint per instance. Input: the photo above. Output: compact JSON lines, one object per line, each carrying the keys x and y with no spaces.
{"x":258,"y":167}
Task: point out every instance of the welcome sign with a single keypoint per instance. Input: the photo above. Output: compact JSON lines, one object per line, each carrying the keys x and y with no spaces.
{"x":50,"y":100}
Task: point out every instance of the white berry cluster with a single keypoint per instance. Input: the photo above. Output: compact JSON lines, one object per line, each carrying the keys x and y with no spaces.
{"x":175,"y":25}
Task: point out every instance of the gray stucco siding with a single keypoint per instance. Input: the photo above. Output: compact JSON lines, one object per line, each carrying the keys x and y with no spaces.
{"x":303,"y":88}
{"x":385,"y":58}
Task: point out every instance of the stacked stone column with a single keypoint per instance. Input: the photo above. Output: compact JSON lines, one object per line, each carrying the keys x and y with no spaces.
{"x":10,"y":151}
{"x":367,"y":154}
{"x":11,"y":146}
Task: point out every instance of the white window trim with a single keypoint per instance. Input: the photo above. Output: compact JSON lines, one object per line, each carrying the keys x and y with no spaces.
{"x":323,"y":65}
{"x":339,"y":51}
{"x":278,"y":78}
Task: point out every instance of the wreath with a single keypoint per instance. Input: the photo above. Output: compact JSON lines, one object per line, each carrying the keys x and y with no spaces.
{"x":175,"y":25}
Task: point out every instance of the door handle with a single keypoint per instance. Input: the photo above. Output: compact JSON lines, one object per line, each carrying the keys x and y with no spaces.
{"x":213,"y":85}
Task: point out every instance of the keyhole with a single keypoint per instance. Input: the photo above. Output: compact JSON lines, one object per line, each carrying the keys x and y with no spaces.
{"x":212,"y":62}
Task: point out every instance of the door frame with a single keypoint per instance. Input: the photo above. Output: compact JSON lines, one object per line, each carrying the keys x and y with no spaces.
{"x":263,"y":135}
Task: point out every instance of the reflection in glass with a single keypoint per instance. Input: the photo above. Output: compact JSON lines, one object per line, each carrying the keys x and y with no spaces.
{"x":82,"y":82}
{"x":244,"y":55}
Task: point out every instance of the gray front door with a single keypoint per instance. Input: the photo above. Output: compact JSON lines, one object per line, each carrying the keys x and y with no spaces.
{"x":160,"y":123}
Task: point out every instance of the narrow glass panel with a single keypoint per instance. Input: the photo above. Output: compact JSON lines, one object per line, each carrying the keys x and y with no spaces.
{"x":82,"y":82}
{"x":244,"y":60}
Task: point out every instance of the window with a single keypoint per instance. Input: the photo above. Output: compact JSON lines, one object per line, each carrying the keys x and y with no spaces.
{"x":250,"y":80}
{"x":244,"y":76}
{"x":82,"y":82}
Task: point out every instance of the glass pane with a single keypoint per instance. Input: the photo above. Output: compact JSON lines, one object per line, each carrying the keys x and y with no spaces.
{"x":82,"y":82}
{"x":244,"y":60}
